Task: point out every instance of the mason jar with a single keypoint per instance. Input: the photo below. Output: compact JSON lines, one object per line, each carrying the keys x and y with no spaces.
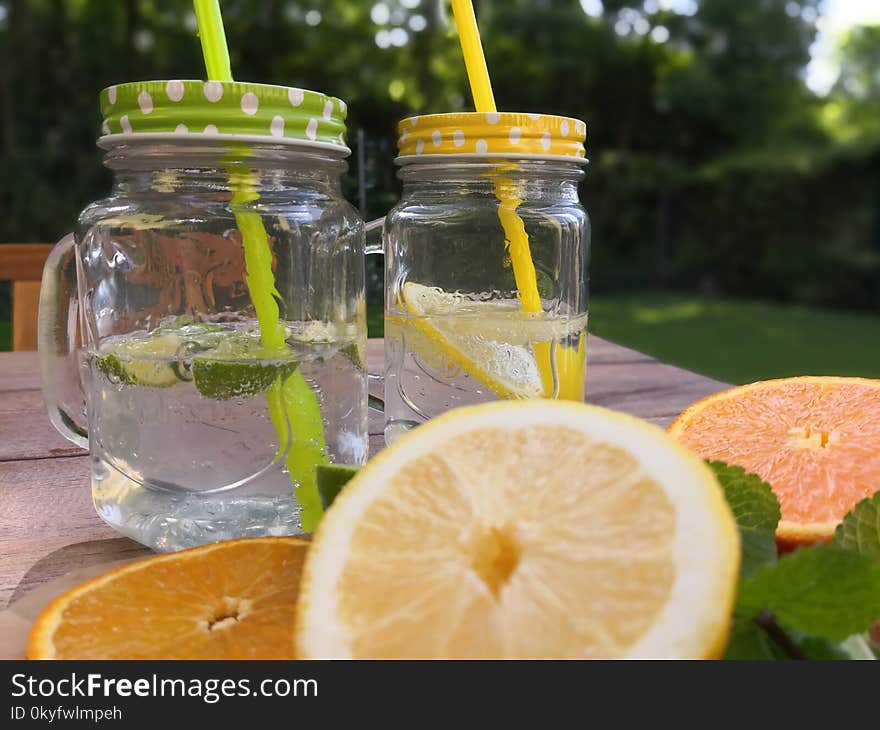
{"x":203,"y":329}
{"x":485,"y":264}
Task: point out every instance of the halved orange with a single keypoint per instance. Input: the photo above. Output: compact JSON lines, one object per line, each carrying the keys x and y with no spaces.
{"x":229,"y":600}
{"x":814,"y":439}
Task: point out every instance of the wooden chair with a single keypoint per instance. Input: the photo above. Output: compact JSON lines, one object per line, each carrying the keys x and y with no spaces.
{"x":22,"y":264}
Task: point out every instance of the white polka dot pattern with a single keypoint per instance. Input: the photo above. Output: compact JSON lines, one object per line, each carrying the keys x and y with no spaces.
{"x":145,"y":102}
{"x":229,"y":109}
{"x":502,"y":133}
{"x":213,"y":91}
{"x":296,"y":97}
{"x":250,"y":103}
{"x":312,"y":129}
{"x":174,"y":90}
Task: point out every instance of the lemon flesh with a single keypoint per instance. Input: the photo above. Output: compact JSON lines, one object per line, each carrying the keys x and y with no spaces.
{"x":524,"y":529}
{"x":495,"y":342}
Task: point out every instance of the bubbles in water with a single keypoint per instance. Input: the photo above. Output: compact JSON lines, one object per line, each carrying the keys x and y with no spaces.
{"x":178,"y":468}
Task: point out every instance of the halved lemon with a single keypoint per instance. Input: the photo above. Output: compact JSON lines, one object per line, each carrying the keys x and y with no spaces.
{"x":524,"y":529}
{"x":496,"y":343}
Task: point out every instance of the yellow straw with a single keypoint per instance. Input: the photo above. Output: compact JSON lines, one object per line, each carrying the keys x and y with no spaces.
{"x":484,"y":101}
{"x":293,"y":406}
{"x":474,"y":58}
{"x":514,"y":230}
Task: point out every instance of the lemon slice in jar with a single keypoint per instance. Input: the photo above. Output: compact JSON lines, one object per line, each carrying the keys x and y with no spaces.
{"x":492,"y":341}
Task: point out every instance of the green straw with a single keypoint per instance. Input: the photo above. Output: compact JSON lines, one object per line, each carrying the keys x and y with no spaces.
{"x":293,"y":406}
{"x":213,"y":39}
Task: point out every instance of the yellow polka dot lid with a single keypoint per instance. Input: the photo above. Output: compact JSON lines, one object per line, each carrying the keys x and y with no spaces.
{"x":508,"y":134}
{"x":227,"y":109}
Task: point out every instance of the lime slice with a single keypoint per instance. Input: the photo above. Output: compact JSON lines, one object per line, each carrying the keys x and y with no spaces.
{"x":489,"y":340}
{"x":146,"y":361}
{"x":224,"y":379}
{"x":331,"y":479}
{"x":239,"y":366}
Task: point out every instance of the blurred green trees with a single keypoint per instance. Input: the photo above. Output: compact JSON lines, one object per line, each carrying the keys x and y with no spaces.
{"x":713,"y":166}
{"x":854,"y":111}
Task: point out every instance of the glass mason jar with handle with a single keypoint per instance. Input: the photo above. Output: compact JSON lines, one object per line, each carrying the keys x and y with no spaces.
{"x":485,"y":264}
{"x":203,"y":330}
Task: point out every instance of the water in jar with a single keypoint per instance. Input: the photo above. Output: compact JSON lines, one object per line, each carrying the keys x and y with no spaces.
{"x":198,"y":433}
{"x":445,"y":350}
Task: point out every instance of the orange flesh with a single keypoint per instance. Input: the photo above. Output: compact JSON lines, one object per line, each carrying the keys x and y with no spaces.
{"x":815,"y":440}
{"x":234,"y":600}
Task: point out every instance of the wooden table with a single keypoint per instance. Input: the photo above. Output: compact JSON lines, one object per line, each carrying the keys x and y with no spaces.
{"x":49,"y":527}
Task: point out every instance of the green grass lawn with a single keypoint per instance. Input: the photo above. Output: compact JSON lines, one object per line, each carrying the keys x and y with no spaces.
{"x":5,"y":336}
{"x":739,"y":341}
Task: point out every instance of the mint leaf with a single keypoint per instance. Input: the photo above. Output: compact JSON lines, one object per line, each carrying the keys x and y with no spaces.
{"x":816,"y":648}
{"x":762,"y":638}
{"x":860,"y":529}
{"x":749,"y":641}
{"x":823,"y":590}
{"x":752,"y":500}
{"x":756,"y":510}
{"x":853,"y":648}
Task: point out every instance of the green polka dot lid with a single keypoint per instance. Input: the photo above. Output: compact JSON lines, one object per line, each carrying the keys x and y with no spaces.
{"x":226,"y":109}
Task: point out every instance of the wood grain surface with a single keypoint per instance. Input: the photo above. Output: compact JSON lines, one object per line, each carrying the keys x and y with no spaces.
{"x":23,"y":261}
{"x":48,"y":526}
{"x":22,"y":264}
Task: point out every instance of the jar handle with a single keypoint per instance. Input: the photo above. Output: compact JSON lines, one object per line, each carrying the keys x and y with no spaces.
{"x":58,"y":337}
{"x":378,"y":224}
